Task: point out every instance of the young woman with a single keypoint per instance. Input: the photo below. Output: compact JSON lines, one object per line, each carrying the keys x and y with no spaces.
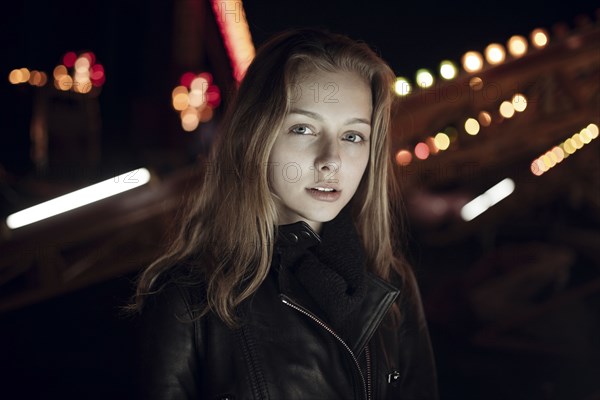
{"x":285,"y":280}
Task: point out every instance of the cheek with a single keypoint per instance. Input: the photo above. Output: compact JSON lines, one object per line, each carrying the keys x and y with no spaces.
{"x":361,"y":168}
{"x":358,"y":162}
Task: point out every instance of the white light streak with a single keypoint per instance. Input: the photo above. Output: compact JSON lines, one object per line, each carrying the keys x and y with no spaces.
{"x":79,"y":198}
{"x":492,"y":196}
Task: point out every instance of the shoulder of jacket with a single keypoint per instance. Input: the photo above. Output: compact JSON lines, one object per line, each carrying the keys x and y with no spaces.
{"x":178,"y":292}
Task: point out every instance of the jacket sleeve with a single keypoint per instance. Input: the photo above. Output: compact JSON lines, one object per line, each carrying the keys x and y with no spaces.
{"x":168,"y":361}
{"x":420,"y":376}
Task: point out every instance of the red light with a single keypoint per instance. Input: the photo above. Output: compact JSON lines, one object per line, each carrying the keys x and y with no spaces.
{"x":208,"y":76}
{"x":186,"y":79}
{"x":422,"y":151}
{"x":90,"y":57}
{"x":69,"y":59}
{"x":96,"y":72}
{"x":99,"y":82}
{"x":213,"y":96}
{"x":403,"y":157}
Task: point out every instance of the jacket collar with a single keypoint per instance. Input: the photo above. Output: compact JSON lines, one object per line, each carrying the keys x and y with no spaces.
{"x":297,"y":234}
{"x":379,"y":297}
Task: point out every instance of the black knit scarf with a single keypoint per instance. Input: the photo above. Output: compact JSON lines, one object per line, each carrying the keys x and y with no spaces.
{"x":331,"y":273}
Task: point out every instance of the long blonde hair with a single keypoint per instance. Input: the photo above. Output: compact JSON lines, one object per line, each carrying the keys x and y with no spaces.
{"x":227,"y":234}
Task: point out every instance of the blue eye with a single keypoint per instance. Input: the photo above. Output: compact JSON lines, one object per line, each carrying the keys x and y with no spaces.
{"x":355,"y":138}
{"x":301,"y":130}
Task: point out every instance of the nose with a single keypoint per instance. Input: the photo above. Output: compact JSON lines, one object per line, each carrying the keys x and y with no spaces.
{"x":328,"y":160}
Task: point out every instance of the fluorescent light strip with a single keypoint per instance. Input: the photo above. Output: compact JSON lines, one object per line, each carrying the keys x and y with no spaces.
{"x":79,"y":198}
{"x":492,"y":196}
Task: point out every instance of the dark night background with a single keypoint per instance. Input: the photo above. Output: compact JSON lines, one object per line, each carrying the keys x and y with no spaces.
{"x":134,"y":41}
{"x":75,"y":345}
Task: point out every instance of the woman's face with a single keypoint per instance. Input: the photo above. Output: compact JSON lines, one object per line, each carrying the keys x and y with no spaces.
{"x":323,"y":145}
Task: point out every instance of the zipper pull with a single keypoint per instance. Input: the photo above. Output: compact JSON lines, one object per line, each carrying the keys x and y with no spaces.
{"x":393,"y":377}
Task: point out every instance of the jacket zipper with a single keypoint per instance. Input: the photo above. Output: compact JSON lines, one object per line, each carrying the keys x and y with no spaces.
{"x":366,"y":390}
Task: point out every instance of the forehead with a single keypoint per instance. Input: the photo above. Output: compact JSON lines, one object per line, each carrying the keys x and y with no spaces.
{"x":343,"y":91}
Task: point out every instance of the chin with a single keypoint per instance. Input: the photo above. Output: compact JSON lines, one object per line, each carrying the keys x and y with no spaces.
{"x":322,"y":215}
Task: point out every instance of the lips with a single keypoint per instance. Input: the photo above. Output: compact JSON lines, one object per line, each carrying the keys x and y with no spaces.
{"x":325,"y":187}
{"x":324,"y":195}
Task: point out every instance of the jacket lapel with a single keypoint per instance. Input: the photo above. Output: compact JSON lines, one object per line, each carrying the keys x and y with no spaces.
{"x":378,"y":300}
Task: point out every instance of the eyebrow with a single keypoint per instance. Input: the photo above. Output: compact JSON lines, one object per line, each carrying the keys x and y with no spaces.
{"x":318,"y":117}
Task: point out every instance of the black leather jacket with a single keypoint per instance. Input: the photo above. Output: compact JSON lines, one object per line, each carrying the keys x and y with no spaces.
{"x":284,"y":350}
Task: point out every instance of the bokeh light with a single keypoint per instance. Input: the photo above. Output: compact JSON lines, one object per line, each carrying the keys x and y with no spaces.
{"x":59,"y":71}
{"x":476,"y":83}
{"x":448,"y":70}
{"x":517,"y":46}
{"x":442,"y":141}
{"x":495,"y":53}
{"x":593,"y":128}
{"x":472,"y":61}
{"x":559,"y":153}
{"x":424,"y":78}
{"x":69,"y":59}
{"x":421,"y":151}
{"x":506,"y":109}
{"x":402,"y":86}
{"x":181,"y":101}
{"x":82,"y":64}
{"x":403,"y":157}
{"x":25,"y":74}
{"x":578,"y":143}
{"x":585,"y":135}
{"x":189,"y":119}
{"x":519,"y":102}
{"x":206,"y":114}
{"x":195,"y":99}
{"x":472,"y":126}
{"x":43,"y":80}
{"x":484,"y":118}
{"x":539,"y":38}
{"x":64,"y":83}
{"x":186,"y":79}
{"x":535,"y":169}
{"x":15,"y":76}
{"x":91,"y":57}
